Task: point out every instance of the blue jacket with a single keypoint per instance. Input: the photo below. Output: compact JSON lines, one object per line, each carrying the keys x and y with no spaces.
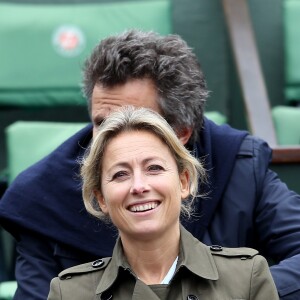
{"x":247,"y":205}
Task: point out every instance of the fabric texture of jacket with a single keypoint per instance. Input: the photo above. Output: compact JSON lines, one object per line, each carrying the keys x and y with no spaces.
{"x":247,"y":206}
{"x":202,"y":272}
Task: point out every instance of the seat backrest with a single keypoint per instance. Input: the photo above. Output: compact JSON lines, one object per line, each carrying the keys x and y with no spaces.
{"x":43,"y":46}
{"x":28,"y":142}
{"x":7,"y":290}
{"x":291,"y":21}
{"x":287,"y":124}
{"x":216,"y":117}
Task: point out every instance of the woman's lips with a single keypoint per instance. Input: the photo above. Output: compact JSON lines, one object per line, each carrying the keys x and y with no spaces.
{"x":141,"y":207}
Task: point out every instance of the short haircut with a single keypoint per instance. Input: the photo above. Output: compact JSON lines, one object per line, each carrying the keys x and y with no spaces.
{"x":166,"y":60}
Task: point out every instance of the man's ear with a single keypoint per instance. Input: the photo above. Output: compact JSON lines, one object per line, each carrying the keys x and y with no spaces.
{"x":101,"y":201}
{"x":184,"y":184}
{"x":185,"y":134}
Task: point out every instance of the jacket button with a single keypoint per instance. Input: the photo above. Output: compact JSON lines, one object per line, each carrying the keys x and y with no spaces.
{"x":97,"y":263}
{"x":192,"y":297}
{"x":216,"y":248}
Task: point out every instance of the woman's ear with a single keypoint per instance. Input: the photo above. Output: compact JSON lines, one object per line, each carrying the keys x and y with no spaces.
{"x":101,"y":201}
{"x":184,"y":184}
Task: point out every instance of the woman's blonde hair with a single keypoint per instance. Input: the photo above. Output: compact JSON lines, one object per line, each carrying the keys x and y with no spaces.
{"x":126,"y":119}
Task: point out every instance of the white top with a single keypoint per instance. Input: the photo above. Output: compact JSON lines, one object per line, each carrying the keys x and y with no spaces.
{"x":171,"y":272}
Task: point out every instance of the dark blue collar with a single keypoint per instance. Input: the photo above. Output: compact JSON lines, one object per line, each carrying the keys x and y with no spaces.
{"x":217,"y":147}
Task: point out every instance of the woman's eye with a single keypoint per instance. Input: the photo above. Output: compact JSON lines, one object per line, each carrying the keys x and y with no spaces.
{"x":119,"y":175}
{"x":155,"y":168}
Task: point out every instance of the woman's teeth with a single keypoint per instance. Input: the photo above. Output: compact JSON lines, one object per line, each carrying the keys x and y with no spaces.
{"x":143,"y":207}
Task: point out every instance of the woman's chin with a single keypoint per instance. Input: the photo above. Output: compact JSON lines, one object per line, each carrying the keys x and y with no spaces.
{"x":145,"y":231}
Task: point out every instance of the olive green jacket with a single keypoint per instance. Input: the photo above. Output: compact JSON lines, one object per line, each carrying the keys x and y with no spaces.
{"x":202,"y":272}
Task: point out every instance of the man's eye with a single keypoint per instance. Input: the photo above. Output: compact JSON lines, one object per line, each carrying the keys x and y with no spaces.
{"x":97,"y":123}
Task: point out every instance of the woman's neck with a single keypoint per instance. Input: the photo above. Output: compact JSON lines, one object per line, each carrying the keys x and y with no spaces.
{"x":151,"y":259}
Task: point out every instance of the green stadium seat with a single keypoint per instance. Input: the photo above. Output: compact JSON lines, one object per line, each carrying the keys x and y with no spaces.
{"x":287,"y":124}
{"x":43,"y":46}
{"x":291,"y":15}
{"x":286,"y":117}
{"x":7,"y":290}
{"x":216,"y":117}
{"x":28,"y":142}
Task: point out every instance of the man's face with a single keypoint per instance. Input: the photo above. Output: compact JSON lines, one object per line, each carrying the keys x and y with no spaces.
{"x":136,"y":92}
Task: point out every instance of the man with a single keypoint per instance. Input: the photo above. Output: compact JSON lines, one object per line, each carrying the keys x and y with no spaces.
{"x":245,"y":205}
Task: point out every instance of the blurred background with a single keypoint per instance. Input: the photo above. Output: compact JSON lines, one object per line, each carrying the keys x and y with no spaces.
{"x":249,"y":51}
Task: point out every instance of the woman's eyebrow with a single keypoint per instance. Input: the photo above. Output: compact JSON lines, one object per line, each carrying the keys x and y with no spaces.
{"x":144,"y":161}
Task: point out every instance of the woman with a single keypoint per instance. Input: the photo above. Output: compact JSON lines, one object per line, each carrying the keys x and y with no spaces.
{"x":139,"y":176}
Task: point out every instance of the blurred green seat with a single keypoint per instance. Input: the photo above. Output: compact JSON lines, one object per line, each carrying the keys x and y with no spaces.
{"x":287,"y":124}
{"x":43,"y":46}
{"x":216,"y":117}
{"x":28,"y":142}
{"x":7,"y":290}
{"x":286,"y":117}
{"x":291,"y":16}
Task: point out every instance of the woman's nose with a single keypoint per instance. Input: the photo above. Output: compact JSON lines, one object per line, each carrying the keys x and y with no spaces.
{"x":139,"y":185}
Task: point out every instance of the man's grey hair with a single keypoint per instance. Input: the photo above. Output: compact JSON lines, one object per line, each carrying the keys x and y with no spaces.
{"x":166,"y":60}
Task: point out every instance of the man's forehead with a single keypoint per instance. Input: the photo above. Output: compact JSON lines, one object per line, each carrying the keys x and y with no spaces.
{"x":138,"y":93}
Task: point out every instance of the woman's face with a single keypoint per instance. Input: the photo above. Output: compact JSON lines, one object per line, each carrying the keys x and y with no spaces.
{"x":141,"y":188}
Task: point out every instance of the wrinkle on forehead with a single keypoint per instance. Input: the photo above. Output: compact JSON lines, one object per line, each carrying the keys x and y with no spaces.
{"x":138,"y":93}
{"x":137,"y":147}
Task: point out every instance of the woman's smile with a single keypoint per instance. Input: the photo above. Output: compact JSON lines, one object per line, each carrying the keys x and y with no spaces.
{"x":143,"y":207}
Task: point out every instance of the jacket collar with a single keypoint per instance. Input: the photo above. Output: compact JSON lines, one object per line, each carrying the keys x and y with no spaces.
{"x":117,"y":263}
{"x":194,"y":256}
{"x":218,"y":147}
